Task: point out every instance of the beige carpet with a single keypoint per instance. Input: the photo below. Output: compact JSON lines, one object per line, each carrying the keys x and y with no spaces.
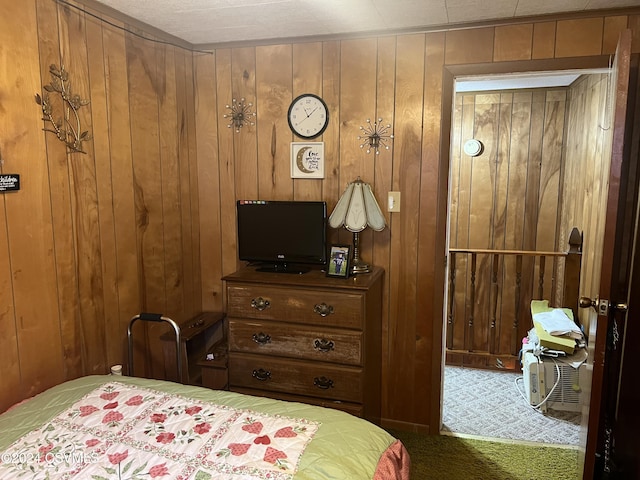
{"x":487,"y":403}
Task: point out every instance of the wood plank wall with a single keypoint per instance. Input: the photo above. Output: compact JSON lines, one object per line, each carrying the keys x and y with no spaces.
{"x":92,"y":239}
{"x":586,"y":170}
{"x":145,"y":221}
{"x":506,"y":198}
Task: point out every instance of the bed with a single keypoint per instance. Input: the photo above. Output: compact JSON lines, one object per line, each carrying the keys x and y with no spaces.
{"x":111,"y":427}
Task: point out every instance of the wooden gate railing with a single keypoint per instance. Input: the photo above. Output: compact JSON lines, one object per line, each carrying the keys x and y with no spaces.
{"x":527,"y":278}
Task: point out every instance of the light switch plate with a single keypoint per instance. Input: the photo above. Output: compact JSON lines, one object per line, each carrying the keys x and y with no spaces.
{"x":393,"y":202}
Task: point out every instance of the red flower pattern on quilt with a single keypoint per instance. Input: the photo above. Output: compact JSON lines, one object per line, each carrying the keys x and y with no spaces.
{"x":86,"y":410}
{"x":158,"y":417}
{"x":134,"y":401}
{"x":165,"y":437}
{"x":192,"y":410}
{"x":256,"y":444}
{"x":158,"y":471}
{"x":116,"y":458}
{"x":112,"y":418}
{"x":202,"y":428}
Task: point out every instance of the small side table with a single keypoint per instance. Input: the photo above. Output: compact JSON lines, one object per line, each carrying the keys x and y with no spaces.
{"x":204,"y":351}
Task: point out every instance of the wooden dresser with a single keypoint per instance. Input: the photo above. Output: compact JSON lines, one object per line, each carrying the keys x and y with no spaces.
{"x":307,"y":338}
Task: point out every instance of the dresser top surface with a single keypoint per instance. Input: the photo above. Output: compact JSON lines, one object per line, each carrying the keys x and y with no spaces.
{"x":312,"y":279}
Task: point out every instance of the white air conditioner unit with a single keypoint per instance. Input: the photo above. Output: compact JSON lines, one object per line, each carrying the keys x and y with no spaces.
{"x":541,"y":374}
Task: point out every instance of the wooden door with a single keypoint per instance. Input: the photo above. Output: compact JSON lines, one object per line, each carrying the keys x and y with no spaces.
{"x":602,"y":320}
{"x":624,"y":401}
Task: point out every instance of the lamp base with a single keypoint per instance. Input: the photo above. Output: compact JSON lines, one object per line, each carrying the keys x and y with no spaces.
{"x":358,"y":266}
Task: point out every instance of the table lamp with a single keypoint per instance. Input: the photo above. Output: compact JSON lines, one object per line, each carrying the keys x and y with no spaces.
{"x":357,"y":209}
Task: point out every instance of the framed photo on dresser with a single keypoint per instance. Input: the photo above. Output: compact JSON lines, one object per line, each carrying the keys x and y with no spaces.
{"x":339,"y":260}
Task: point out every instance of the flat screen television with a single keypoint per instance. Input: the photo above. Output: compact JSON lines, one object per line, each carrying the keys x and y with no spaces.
{"x":282,"y":236}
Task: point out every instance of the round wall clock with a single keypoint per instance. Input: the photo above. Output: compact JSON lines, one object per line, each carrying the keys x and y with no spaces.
{"x":308,"y":116}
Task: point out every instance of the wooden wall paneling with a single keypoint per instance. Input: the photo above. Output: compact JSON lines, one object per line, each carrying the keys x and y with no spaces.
{"x":520,"y":132}
{"x":613,"y":26}
{"x":188,"y":180}
{"x":500,"y":216}
{"x":469,"y":46}
{"x":532,"y":198}
{"x":243,"y":81}
{"x":11,"y":389}
{"x":102,"y":154}
{"x":85,"y":200}
{"x":28,"y":223}
{"x":522,"y":109}
{"x":482,"y":205}
{"x":171,"y":186}
{"x":274,"y":95}
{"x":455,"y":161}
{"x":501,"y":166}
{"x":357,"y":104}
{"x":430,"y":286}
{"x":599,"y":177}
{"x":383,"y":163}
{"x":513,"y":42}
{"x":61,"y":195}
{"x":226,"y":164}
{"x":455,"y":171}
{"x":462,"y":228}
{"x":579,"y":37}
{"x":307,"y":78}
{"x":586,"y":161}
{"x":331,"y":186}
{"x":358,"y":83}
{"x":544,"y":40}
{"x":553,"y":137}
{"x":383,"y":175}
{"x":145,"y":89}
{"x":409,"y":100}
{"x":550,"y":206}
{"x":209,"y":185}
{"x":532,"y":206}
{"x":194,"y":225}
{"x":128,"y":284}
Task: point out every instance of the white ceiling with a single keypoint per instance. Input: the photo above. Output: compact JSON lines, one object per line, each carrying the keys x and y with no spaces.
{"x":212,"y":22}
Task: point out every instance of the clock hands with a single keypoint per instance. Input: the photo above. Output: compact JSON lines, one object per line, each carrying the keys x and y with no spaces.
{"x":308,"y":114}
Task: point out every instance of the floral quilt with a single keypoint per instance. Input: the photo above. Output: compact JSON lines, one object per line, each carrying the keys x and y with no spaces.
{"x":120,"y":431}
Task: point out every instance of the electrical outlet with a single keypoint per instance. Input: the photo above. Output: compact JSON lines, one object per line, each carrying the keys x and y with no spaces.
{"x":393,"y":202}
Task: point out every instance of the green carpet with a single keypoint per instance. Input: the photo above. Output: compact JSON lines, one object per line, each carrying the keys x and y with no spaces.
{"x":445,"y":457}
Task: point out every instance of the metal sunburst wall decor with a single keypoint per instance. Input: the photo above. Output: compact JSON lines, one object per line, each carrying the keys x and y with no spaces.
{"x":67,"y":128}
{"x":375,"y":136}
{"x":240,"y":114}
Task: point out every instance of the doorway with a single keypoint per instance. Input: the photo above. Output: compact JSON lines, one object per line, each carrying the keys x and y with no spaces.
{"x":514,"y":183}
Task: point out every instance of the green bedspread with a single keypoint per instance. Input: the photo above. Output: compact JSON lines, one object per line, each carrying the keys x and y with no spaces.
{"x":344,"y":446}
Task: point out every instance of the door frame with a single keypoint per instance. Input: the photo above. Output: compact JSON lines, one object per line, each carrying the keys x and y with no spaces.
{"x":450,"y":72}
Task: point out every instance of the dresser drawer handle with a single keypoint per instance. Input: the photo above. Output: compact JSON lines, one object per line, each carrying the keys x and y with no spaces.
{"x":261,"y":338}
{"x":323,"y":345}
{"x":262,"y":375}
{"x":323,"y":382}
{"x":260,"y":303}
{"x":323,"y":309}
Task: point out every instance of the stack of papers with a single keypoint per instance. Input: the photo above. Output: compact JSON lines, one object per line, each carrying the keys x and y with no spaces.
{"x":556,"y":322}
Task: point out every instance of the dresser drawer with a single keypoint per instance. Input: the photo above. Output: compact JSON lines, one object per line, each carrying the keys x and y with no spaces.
{"x":352,"y":408}
{"x":297,"y":341}
{"x":319,"y":307}
{"x":315,"y":379}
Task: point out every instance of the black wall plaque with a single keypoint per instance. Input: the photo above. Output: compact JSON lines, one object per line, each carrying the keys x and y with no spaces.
{"x":9,"y":182}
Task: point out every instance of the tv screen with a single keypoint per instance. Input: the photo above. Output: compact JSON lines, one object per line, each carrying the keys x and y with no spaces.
{"x":282,"y":235}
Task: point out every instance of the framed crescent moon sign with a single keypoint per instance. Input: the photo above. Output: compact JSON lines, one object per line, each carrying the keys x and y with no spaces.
{"x":307,"y":160}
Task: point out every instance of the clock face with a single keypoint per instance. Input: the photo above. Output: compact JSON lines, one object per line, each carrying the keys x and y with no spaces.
{"x":308,"y":116}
